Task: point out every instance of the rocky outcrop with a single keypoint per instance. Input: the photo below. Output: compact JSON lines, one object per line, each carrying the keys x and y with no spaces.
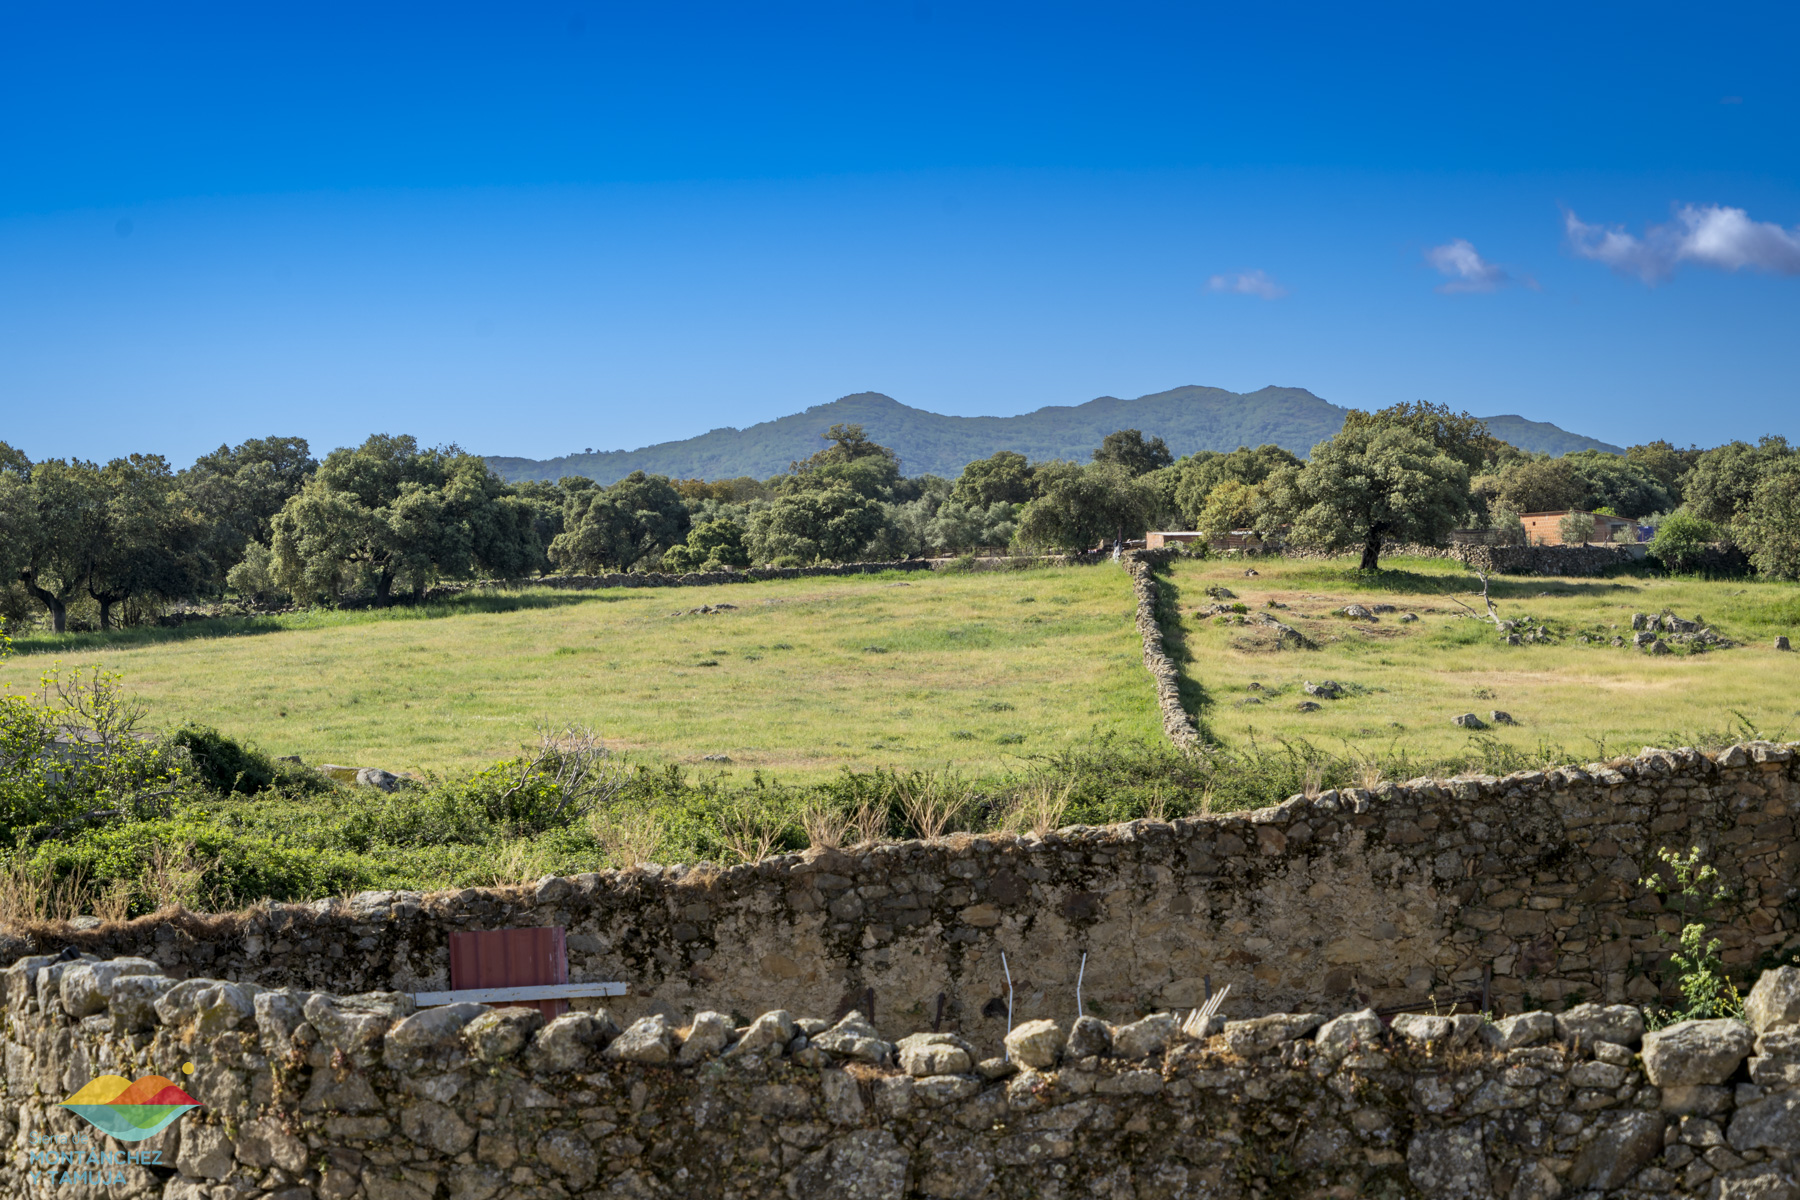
{"x":363,"y":1097}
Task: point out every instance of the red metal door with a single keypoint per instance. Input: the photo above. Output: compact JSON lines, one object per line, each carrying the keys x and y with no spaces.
{"x":512,"y":958}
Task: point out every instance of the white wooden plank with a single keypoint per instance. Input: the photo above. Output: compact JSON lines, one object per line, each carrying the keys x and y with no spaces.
{"x":506,"y":995}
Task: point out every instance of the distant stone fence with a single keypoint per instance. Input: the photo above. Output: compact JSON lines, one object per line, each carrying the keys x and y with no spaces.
{"x":1595,"y":559}
{"x":660,"y":579}
{"x":1177,"y":723}
{"x":304,"y":1093}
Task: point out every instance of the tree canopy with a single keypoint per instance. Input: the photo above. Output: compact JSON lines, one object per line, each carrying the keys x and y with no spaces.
{"x":828,"y":523}
{"x":389,"y":511}
{"x":1006,"y":476}
{"x":613,"y":528}
{"x":1371,"y":483}
{"x":1198,"y":475}
{"x":1724,"y":478}
{"x":1129,"y":449}
{"x":1079,"y":506}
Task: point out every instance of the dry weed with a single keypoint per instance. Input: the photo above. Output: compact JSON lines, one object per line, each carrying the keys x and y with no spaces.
{"x":31,"y":895}
{"x":749,"y":836}
{"x":870,"y":822}
{"x":1368,"y":773}
{"x":1039,"y":808}
{"x":933,"y":804}
{"x":628,"y":836}
{"x":825,"y":827}
{"x":174,"y":878}
{"x":1158,"y":808}
{"x":1312,"y":780}
{"x":517,"y":863}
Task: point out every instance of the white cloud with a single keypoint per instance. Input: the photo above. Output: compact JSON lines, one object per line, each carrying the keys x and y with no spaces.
{"x":1247,"y":283}
{"x":1711,"y":235}
{"x":1468,"y":271}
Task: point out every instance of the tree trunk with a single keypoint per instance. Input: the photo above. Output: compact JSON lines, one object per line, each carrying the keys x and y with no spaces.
{"x":384,"y":583}
{"x":106,"y":600}
{"x":1371,"y":558}
{"x":59,"y":611}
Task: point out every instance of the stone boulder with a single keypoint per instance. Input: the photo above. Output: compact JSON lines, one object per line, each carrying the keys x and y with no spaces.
{"x":1525,"y":1029}
{"x":567,"y":1043}
{"x":430,"y":1039}
{"x":1626,"y":1142}
{"x":1350,"y":1033}
{"x":854,"y":1038}
{"x":209,"y":1005}
{"x":86,"y":987}
{"x":1145,"y":1037}
{"x":709,"y":1034}
{"x":1468,"y":721}
{"x":133,"y":1001}
{"x":648,"y":1040}
{"x":927,"y":1054}
{"x":1775,"y":1000}
{"x":1620,"y":1024}
{"x":1327,"y":689}
{"x":1259,"y":1035}
{"x":501,"y":1033}
{"x":771,"y":1031}
{"x":1695,"y":1052}
{"x":1035,"y":1044}
{"x":1087,"y":1037}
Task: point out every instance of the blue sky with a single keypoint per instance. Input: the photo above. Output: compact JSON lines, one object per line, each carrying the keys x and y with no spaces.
{"x":534,"y":228}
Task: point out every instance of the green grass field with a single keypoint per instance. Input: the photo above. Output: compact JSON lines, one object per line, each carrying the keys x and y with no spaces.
{"x":802,"y":678}
{"x":1408,"y":680}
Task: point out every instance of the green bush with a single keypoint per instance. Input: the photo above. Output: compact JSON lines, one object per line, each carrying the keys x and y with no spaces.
{"x":222,"y":764}
{"x":1681,"y":540}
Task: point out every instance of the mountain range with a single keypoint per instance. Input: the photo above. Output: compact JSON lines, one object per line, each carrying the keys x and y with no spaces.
{"x":1187,"y":418}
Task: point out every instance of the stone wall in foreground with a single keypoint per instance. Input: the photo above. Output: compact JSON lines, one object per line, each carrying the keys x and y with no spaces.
{"x":1524,"y":890}
{"x":306,"y":1094}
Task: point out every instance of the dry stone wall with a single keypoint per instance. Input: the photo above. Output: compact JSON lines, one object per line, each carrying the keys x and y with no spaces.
{"x":1524,"y":888}
{"x":1177,"y":723}
{"x":307,"y":1094}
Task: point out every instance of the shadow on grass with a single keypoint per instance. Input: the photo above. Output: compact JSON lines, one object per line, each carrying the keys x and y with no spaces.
{"x":1453,"y":583}
{"x":467,"y":604}
{"x":1194,"y":697}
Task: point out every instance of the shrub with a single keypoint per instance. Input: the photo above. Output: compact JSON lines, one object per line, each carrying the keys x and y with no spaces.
{"x":1577,"y":529}
{"x":1681,"y":540}
{"x":222,"y":764}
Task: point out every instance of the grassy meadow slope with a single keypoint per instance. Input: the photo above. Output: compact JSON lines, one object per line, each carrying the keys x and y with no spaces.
{"x":801,"y":678}
{"x":1408,"y":680}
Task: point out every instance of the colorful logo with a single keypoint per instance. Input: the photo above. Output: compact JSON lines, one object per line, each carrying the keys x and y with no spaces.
{"x":131,"y":1111}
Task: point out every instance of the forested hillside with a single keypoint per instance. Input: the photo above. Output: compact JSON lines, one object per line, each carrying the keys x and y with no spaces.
{"x":1186,"y":418}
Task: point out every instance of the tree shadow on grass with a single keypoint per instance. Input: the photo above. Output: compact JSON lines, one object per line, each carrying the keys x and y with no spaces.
{"x":1418,"y":583}
{"x":467,"y":604}
{"x":1195,"y":699}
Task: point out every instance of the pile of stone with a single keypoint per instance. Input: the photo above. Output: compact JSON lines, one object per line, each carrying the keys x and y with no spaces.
{"x":1653,"y":634}
{"x":1286,"y":636}
{"x":314,"y":1095}
{"x":1522,"y":632}
{"x":704,"y":610}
